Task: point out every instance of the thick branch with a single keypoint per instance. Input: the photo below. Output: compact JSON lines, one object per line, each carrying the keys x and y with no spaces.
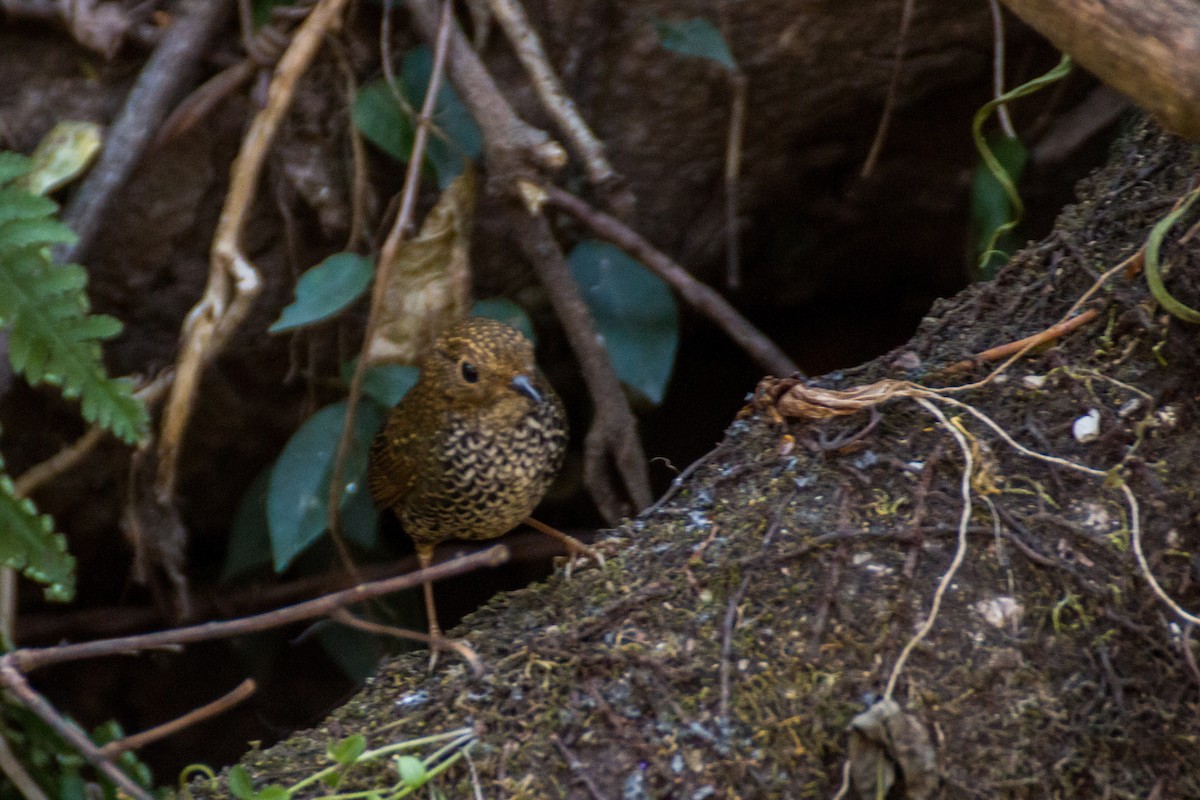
{"x":1147,"y":49}
{"x":508,"y":139}
{"x":614,"y":428}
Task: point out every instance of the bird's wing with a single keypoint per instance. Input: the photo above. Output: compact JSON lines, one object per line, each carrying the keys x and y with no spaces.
{"x":392,"y":468}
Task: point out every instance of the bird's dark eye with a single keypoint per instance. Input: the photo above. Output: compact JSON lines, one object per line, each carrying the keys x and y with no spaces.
{"x":469,"y":373}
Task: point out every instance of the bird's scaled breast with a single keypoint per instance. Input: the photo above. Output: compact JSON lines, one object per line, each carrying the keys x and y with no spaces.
{"x":488,"y":478}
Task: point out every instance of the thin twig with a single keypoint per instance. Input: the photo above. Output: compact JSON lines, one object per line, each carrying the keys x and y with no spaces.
{"x":43,"y":472}
{"x":998,"y":69}
{"x":959,"y":554}
{"x":727,"y":628}
{"x":1188,"y":656}
{"x":401,"y":231}
{"x":15,"y":771}
{"x":15,"y":682}
{"x":577,"y":769}
{"x":527,"y":547}
{"x":528,"y":47}
{"x":889,"y":103}
{"x":464,"y":650}
{"x":678,"y":481}
{"x":168,"y":69}
{"x":1135,"y":536}
{"x":219,"y":706}
{"x":28,"y":659}
{"x":1022,"y":346}
{"x":733,"y":169}
{"x":698,"y":295}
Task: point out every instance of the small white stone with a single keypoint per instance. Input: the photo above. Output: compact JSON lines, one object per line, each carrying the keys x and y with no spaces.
{"x":1034,"y":381}
{"x":1001,"y":612}
{"x":1087,"y":428}
{"x":1129,"y":407}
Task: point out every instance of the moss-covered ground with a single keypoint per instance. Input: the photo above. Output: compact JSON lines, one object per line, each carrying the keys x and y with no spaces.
{"x":734,"y":632}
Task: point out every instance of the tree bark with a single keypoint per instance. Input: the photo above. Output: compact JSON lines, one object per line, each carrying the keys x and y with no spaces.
{"x":1147,"y":49}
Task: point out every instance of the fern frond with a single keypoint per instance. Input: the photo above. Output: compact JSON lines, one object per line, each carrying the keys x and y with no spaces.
{"x":29,"y":543}
{"x":53,"y":339}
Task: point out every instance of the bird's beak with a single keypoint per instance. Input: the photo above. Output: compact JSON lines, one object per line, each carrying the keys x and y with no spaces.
{"x":522,"y":385}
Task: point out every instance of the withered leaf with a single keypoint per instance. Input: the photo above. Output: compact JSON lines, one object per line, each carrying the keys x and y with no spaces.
{"x":429,"y":285}
{"x":888,"y":744}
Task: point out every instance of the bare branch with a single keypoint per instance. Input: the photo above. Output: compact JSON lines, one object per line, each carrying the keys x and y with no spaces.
{"x":698,"y":295}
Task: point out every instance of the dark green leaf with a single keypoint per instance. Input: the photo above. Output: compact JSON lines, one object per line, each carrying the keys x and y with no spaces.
{"x":991,"y":208}
{"x":462,"y":140}
{"x":386,"y":383}
{"x":326,"y":289}
{"x":357,"y":653}
{"x":298,"y":496}
{"x":695,"y":37}
{"x":634,"y":312}
{"x":1060,"y":71}
{"x":381,"y":119}
{"x":347,"y":751}
{"x":249,"y":546}
{"x":504,"y":310}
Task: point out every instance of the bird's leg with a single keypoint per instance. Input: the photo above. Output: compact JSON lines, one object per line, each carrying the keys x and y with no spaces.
{"x":574,"y":546}
{"x":425,"y":557}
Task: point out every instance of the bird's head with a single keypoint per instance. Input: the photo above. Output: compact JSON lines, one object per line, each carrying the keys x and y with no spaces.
{"x":480,"y":364}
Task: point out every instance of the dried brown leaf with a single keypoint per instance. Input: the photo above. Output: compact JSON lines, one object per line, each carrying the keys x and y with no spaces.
{"x":886,"y":744}
{"x":429,"y":285}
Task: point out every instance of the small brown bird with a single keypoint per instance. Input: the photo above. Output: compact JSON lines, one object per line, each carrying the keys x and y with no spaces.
{"x":473,"y":446}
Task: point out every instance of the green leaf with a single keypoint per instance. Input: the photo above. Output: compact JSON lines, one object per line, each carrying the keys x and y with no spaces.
{"x":347,"y":751}
{"x":249,"y":546}
{"x":28,"y":543}
{"x":52,"y":337}
{"x":504,"y":310}
{"x":325,"y":290}
{"x":382,"y":120}
{"x":298,"y":497}
{"x":389,"y":123}
{"x":240,"y":785}
{"x":385,"y":383}
{"x":992,"y":211}
{"x":462,"y":141}
{"x":695,"y":37}
{"x":272,"y":792}
{"x":412,"y":771}
{"x":634,"y":312}
{"x":20,"y":204}
{"x":13,"y":165}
